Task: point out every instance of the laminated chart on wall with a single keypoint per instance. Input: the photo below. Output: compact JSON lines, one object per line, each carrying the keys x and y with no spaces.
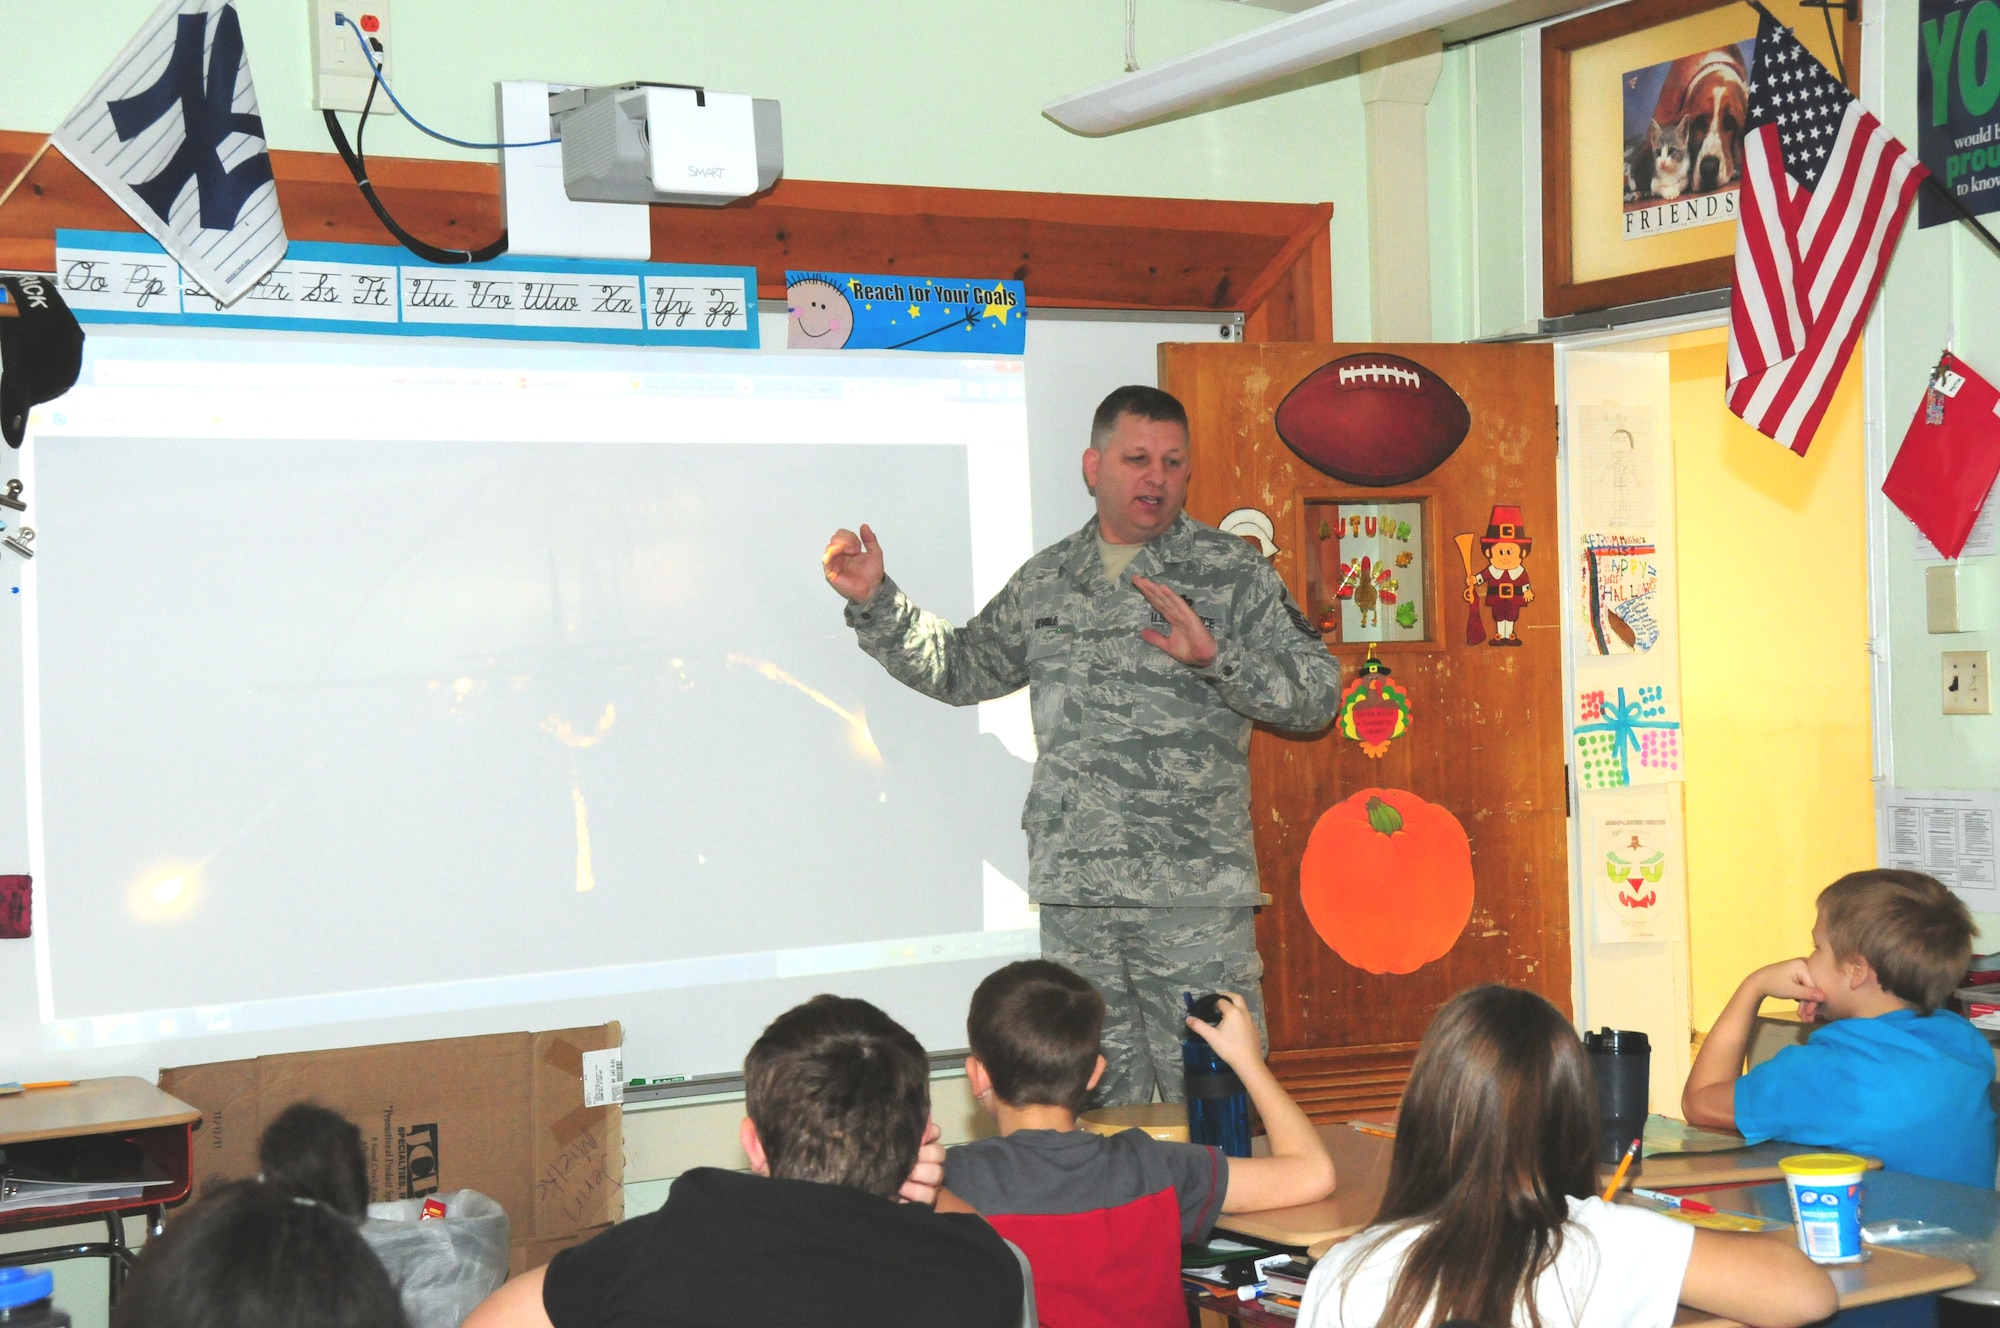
{"x":1946,"y":833}
{"x":115,"y":277}
{"x":1619,"y":579}
{"x":1637,"y":872}
{"x":1626,"y":733}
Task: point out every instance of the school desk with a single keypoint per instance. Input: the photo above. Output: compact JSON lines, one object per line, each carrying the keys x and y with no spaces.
{"x":1361,"y":1168}
{"x":1737,"y":1166}
{"x":1217,"y":1312}
{"x":1966,"y":1219}
{"x":1162,"y":1120}
{"x":1909,"y":1280}
{"x":1897,"y":1285}
{"x":162,"y":1126}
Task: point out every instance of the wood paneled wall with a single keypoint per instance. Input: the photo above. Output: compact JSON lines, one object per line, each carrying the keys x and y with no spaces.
{"x":1270,"y":261}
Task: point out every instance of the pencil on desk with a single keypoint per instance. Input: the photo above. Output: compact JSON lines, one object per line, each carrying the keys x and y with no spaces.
{"x":1618,"y":1176}
{"x":1379,"y":1131}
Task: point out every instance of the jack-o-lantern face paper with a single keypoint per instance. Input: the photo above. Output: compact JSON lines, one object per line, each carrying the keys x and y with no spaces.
{"x":1387,"y":880}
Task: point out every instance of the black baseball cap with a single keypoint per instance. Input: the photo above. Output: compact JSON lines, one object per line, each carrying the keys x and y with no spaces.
{"x":41,"y":350}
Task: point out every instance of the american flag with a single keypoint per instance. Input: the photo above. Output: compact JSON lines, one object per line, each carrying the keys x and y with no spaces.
{"x":1824,"y":195}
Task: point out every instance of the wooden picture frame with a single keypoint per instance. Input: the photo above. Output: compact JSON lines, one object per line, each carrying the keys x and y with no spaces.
{"x":1582,"y":272}
{"x":1420,"y":582}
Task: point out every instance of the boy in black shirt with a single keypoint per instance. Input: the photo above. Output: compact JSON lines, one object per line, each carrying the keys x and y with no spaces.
{"x":838,"y":1096}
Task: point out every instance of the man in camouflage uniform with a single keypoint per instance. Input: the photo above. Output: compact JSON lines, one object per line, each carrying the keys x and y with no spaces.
{"x":1149,"y":644}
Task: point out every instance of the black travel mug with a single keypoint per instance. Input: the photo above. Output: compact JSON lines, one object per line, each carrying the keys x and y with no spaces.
{"x":1621,"y":1060}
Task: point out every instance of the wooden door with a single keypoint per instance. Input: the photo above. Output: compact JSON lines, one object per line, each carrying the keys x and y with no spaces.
{"x":1485,"y":736}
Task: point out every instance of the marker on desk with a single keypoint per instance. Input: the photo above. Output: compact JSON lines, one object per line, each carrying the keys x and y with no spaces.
{"x":1675,"y":1201}
{"x":1687,"y":1205}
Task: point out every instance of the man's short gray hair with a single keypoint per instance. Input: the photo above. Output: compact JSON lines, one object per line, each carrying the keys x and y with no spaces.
{"x":1148,"y":403}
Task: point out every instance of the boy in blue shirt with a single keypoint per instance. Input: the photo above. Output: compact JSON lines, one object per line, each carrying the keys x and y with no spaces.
{"x":1890,"y":1075}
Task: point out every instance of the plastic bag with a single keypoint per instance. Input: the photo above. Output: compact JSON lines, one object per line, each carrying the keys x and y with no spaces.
{"x":445,"y":1266}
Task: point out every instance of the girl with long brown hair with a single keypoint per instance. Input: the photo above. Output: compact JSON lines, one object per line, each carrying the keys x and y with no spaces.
{"x":1491,"y":1212}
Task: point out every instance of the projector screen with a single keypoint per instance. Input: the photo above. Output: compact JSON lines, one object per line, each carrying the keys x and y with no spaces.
{"x":375,"y":691}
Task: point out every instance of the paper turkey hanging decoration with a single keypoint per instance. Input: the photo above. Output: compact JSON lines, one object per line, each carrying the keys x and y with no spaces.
{"x":1374,"y":711}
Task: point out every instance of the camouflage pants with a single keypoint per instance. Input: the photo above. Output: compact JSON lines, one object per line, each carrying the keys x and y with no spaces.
{"x":1142,"y":959}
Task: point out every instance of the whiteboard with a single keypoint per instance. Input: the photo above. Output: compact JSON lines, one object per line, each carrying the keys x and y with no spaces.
{"x":373,"y":897}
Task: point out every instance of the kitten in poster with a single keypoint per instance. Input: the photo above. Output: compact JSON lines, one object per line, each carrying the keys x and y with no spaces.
{"x":1639,"y":167}
{"x":1683,"y":140}
{"x":1670,"y":158}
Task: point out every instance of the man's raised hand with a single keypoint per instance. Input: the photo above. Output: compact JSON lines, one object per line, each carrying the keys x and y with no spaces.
{"x":1188,"y":639}
{"x":853,"y":563}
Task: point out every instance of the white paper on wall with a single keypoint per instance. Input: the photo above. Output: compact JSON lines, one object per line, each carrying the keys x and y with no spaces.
{"x":1636,"y":872}
{"x":1947,"y":833}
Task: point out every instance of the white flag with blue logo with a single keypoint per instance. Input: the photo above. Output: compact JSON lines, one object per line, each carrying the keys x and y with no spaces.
{"x":172,"y":133}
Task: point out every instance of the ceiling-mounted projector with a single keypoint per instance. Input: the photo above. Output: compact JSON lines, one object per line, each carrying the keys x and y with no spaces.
{"x":666,"y":143}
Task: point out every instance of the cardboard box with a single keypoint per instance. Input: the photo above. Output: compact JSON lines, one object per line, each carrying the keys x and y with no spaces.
{"x":502,"y":1114}
{"x":520,"y":1258}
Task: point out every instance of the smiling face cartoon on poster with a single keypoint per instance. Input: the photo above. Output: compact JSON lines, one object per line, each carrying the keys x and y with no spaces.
{"x":859,"y":311}
{"x":1637,"y":870}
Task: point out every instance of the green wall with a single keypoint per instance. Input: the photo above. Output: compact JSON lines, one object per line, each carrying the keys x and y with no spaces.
{"x":937,"y":92}
{"x":1943,"y":279}
{"x":1485,"y":263}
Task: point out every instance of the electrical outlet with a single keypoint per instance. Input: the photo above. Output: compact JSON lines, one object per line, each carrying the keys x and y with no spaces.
{"x":341,"y":74}
{"x":1966,"y":690}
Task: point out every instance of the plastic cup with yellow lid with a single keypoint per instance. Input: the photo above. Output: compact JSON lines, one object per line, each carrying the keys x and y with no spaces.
{"x":1825,"y":1190}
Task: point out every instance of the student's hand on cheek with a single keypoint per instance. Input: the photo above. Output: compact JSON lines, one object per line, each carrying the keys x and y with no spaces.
{"x":927,"y":1176}
{"x":1791,"y":980}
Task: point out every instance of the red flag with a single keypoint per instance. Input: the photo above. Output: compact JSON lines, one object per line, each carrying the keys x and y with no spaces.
{"x":1949,"y":457}
{"x":1824,"y":194}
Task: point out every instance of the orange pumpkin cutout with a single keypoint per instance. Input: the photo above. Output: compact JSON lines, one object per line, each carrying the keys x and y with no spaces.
{"x":1387,"y":880}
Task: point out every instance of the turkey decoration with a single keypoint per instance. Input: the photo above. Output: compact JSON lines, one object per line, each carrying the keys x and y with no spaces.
{"x":1387,"y":880}
{"x":1374,"y":710}
{"x":1369,"y":584}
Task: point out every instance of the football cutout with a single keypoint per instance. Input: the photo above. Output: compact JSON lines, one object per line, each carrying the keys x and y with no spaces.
{"x":1372,"y":419}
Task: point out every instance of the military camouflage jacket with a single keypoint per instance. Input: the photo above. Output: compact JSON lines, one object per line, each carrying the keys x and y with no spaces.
{"x":1141,"y":794}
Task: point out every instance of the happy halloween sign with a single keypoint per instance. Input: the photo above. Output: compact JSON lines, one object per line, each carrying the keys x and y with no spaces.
{"x":859,"y":311}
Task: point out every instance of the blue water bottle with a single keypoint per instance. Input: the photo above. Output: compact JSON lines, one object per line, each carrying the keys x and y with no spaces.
{"x":25,"y":1299}
{"x":1218,"y":1109}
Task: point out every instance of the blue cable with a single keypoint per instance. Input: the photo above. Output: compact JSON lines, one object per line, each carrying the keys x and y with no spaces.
{"x":404,"y":111}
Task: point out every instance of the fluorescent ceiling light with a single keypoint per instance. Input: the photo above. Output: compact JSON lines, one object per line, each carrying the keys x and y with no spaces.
{"x":1333,"y":30}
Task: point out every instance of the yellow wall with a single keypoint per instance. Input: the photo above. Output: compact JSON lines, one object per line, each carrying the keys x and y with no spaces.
{"x":1774,"y":672}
